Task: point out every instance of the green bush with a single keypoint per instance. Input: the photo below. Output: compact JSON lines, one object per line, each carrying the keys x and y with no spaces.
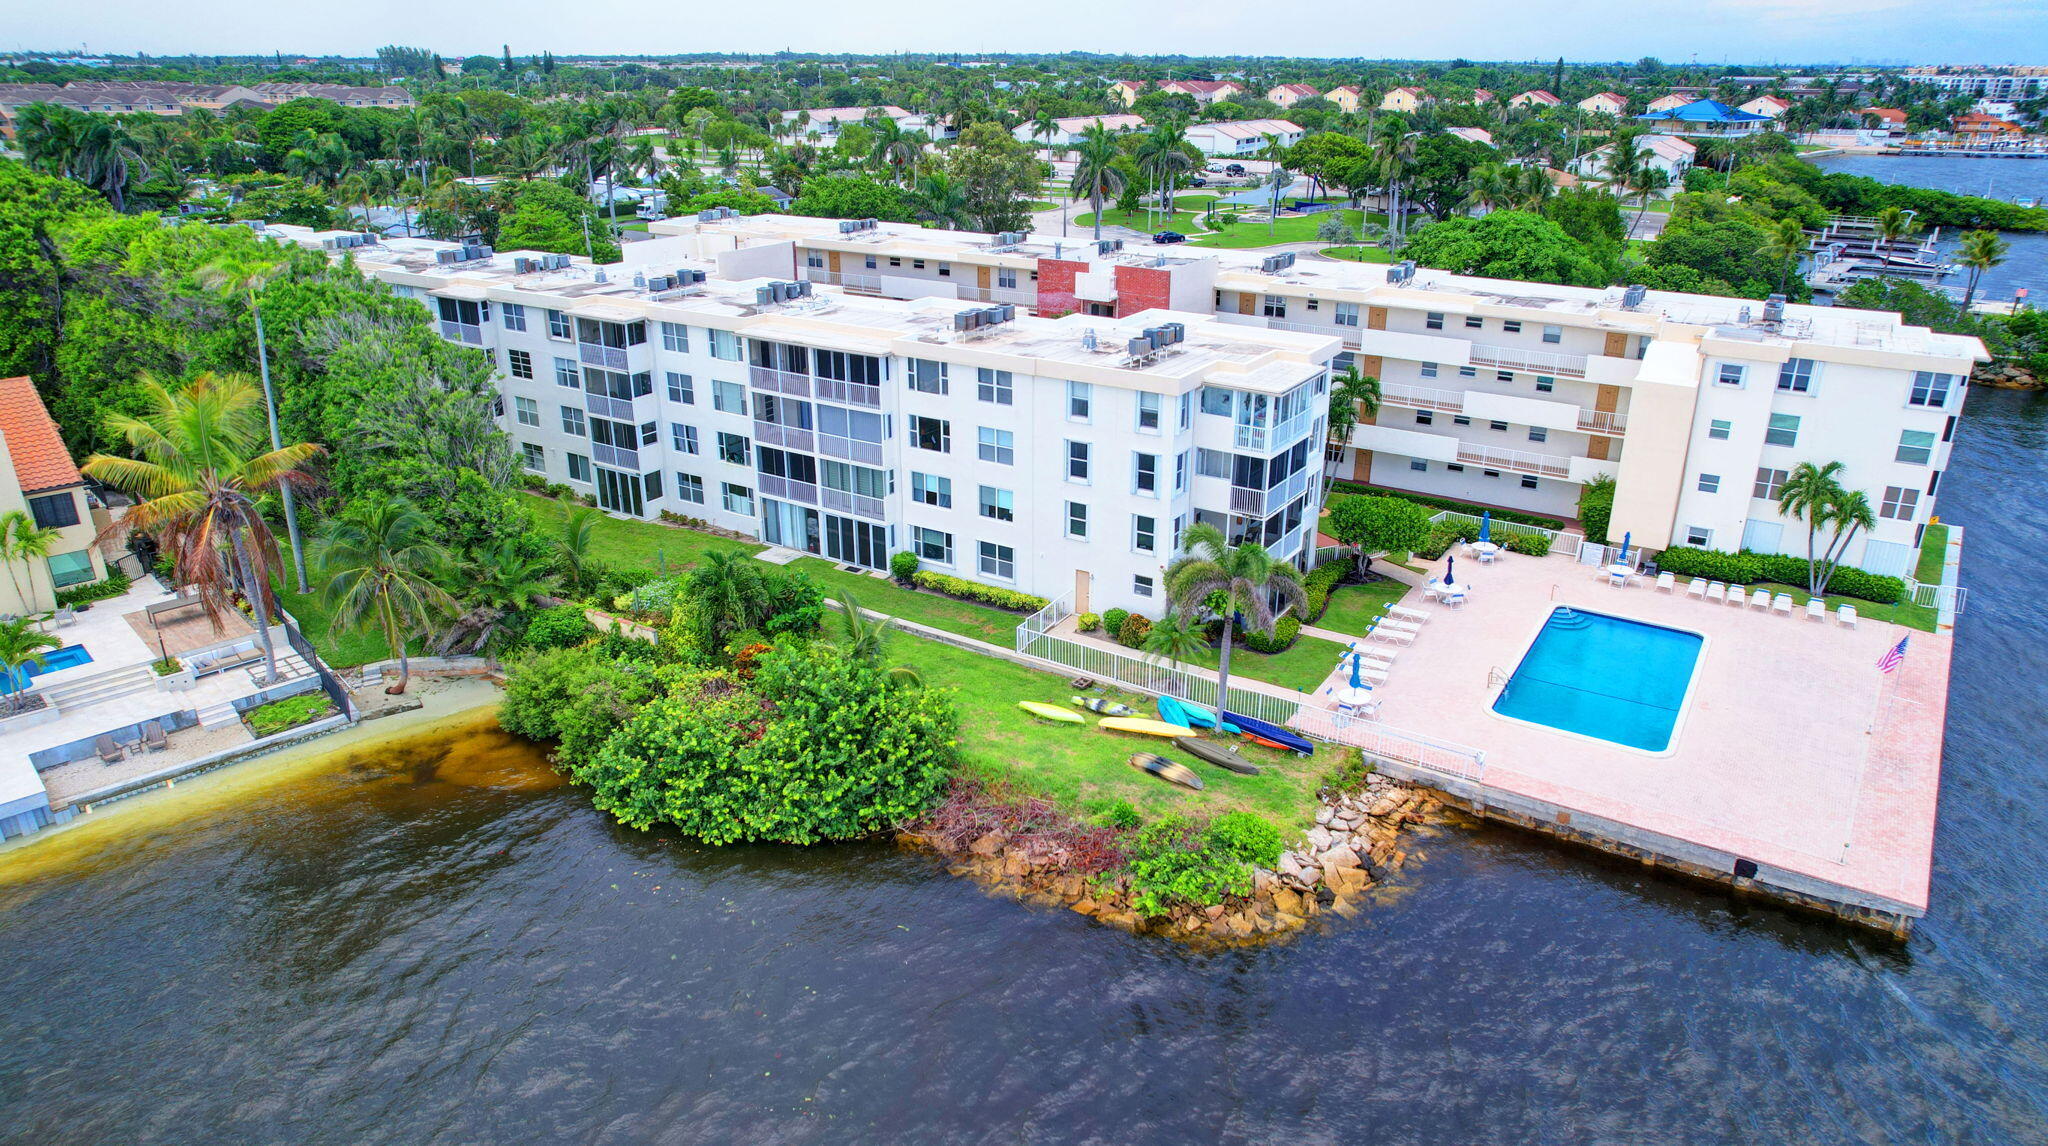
{"x":1529,"y":544}
{"x":558,"y":628}
{"x":1131,"y":633}
{"x":995,"y":595}
{"x":1452,"y":504}
{"x":1120,"y":814}
{"x":1113,"y":621}
{"x":113,"y":584}
{"x":575,"y":696}
{"x":1351,"y":773}
{"x":1321,"y":582}
{"x":287,"y":714}
{"x":1286,"y":631}
{"x":1088,"y":622}
{"x":1175,"y":862}
{"x":1596,"y":508}
{"x":1247,"y":836}
{"x":1746,"y":568}
{"x":903,"y":566}
{"x":166,"y":666}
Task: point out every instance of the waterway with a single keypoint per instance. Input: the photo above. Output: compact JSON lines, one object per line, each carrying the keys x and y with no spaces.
{"x":2008,"y":179}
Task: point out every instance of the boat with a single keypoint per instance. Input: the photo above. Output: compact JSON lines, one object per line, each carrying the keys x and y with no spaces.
{"x":1193,"y":715}
{"x":1144,"y":727}
{"x":1050,"y":712}
{"x":1270,"y":733}
{"x":1102,"y":707}
{"x":1170,"y":771}
{"x":1217,"y":754}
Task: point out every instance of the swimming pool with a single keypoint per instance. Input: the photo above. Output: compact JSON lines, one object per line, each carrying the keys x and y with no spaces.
{"x":1604,"y":677}
{"x":70,"y":656}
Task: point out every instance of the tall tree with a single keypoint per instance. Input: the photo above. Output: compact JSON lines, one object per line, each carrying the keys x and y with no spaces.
{"x":21,"y":647}
{"x":1811,"y":494}
{"x":1096,"y":175}
{"x":1246,"y":575}
{"x":379,"y":563}
{"x":1980,"y":251}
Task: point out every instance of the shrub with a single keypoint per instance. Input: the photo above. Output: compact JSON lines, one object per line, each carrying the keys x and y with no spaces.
{"x":1350,"y":774}
{"x":995,"y":595}
{"x":166,"y":666}
{"x":1596,"y":507}
{"x":1120,"y":814}
{"x":559,"y":628}
{"x":577,"y":696}
{"x":1132,"y":632}
{"x":1175,"y":863}
{"x":113,"y":584}
{"x":1113,"y":621}
{"x":1322,"y":581}
{"x":903,"y":566}
{"x":1088,"y":622}
{"x":1746,"y":568}
{"x":1451,"y":504}
{"x":655,"y":599}
{"x":287,"y":714}
{"x":1530,"y":544}
{"x":1247,"y":836}
{"x":1286,"y":631}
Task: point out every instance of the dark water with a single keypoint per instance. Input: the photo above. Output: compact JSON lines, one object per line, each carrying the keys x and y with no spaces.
{"x":2007,"y":179}
{"x":448,"y":950}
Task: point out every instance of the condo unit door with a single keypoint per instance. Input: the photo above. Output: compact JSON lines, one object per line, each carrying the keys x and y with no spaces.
{"x":856,"y":542}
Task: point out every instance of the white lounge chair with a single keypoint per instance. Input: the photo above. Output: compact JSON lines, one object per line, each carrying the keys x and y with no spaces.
{"x":1667,"y":582}
{"x":1760,"y":599}
{"x":1736,"y":596}
{"x":1396,"y":636}
{"x":1845,"y":615}
{"x":1406,"y":613}
{"x":1717,"y":593}
{"x":1816,"y":609}
{"x":1782,"y":603}
{"x":1370,"y":653}
{"x":1697,"y":587}
{"x":1389,"y":623}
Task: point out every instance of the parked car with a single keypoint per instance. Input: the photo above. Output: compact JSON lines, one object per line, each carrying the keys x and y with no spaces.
{"x":1214,"y":169}
{"x":1234,"y":169}
{"x":1198,"y":181}
{"x":1169,"y":237}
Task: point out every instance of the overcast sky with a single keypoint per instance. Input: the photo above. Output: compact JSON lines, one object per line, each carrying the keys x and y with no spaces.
{"x":1921,"y":31}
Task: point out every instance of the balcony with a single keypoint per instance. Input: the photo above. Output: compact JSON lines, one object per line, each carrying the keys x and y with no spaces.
{"x":788,"y":437}
{"x":856,"y":504}
{"x":849,"y":393}
{"x":602,"y":357}
{"x":789,"y":490}
{"x":615,"y":457}
{"x":867,"y":453}
{"x":607,"y":407}
{"x":1348,"y":333}
{"x":1515,"y":461}
{"x":1603,"y":422}
{"x":851,"y":283}
{"x":1422,"y":398}
{"x":1529,"y":361}
{"x":773,"y":381}
{"x":467,"y":333}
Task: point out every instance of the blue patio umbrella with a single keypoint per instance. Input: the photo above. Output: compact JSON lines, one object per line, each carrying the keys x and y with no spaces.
{"x":1623,"y":559}
{"x":1448,"y":563}
{"x":1485,"y":526}
{"x":1356,"y":680}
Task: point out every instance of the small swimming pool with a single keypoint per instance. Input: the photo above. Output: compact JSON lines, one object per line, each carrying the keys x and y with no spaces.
{"x":70,"y":656}
{"x":1604,"y":677}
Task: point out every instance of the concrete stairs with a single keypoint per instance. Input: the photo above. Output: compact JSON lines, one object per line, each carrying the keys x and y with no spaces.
{"x":110,"y":685}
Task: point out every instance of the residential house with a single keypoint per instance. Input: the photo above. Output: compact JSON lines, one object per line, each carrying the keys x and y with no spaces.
{"x":1205,"y":92}
{"x":1404,"y":100}
{"x":1606,"y":103}
{"x":1245,"y":137}
{"x":1889,"y":120}
{"x":1976,"y":125}
{"x":1126,"y":92}
{"x":1669,"y":102}
{"x":1070,"y":130}
{"x":1704,"y":117}
{"x":38,"y":477}
{"x":826,"y":122}
{"x":1768,"y":106}
{"x":1287,"y":95}
{"x":1346,"y":98}
{"x":1535,"y":97}
{"x":1481,"y":97}
{"x":1666,"y":153}
{"x":1471,"y":134}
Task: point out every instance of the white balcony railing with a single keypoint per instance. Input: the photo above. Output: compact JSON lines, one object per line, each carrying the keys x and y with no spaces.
{"x":858,"y":504}
{"x":602,"y":357}
{"x":850,"y":393}
{"x":788,"y":437}
{"x":1603,"y":422}
{"x":1515,"y":461}
{"x":1422,"y":397}
{"x":779,"y":381}
{"x":788,"y":489}
{"x":1529,"y":361}
{"x":468,"y":333}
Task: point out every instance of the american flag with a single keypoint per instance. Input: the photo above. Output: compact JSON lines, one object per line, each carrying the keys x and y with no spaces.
{"x":1894,"y":656}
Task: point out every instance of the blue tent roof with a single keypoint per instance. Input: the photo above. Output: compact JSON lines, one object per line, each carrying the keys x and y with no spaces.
{"x":1704,"y":111}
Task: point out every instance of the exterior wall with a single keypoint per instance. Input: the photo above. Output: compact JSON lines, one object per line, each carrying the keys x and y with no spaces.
{"x":1056,"y":285}
{"x":27,"y":586}
{"x":1142,"y":288}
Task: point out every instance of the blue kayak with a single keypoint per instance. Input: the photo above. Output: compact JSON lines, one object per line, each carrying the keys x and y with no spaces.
{"x":1273,"y":732}
{"x":1191,"y":715}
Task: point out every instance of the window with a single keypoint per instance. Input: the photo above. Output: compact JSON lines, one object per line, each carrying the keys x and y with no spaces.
{"x":527,"y":411}
{"x":681,"y":438}
{"x":1699,"y":536}
{"x":675,"y":336}
{"x":1930,"y":389}
{"x":1553,"y":334}
{"x":1216,"y":400}
{"x":733,"y":448}
{"x":1077,"y":520}
{"x":1347,"y":314}
{"x":1273,"y":306}
{"x":1006,"y":278}
{"x":731,"y":397}
{"x":567,"y":373}
{"x":689,"y":488}
{"x":1180,"y":472}
{"x":858,"y":480}
{"x":1710,"y":483}
{"x":931,"y":544}
{"x":738,"y":499}
{"x":1474,"y":322}
{"x":927,"y":377}
{"x":579,"y":467}
{"x":1768,"y":483}
{"x":1503,"y":376}
{"x":931,"y":490}
{"x":572,"y":421}
{"x":55,"y":510}
{"x":1454,"y":467}
{"x":558,"y":325}
{"x":1148,"y":413}
{"x":1141,"y":585}
{"x":649,"y":433}
{"x":1429,"y":370}
{"x":1899,"y":503}
{"x":1433,"y":321}
{"x":1460,"y":420}
{"x":1719,"y":429}
{"x":651,"y":483}
{"x":1425,"y":417}
{"x":994,"y":386}
{"x":1080,"y":401}
{"x":1187,"y":411}
{"x":1544,"y":384}
{"x":1784,"y":430}
{"x":1916,"y":447}
{"x":1418,"y":465}
{"x":497,"y":406}
{"x":681,"y":389}
{"x":998,"y":446}
{"x":1730,"y":374}
{"x":1497,"y":425}
{"x":725,"y":344}
{"x":998,"y":504}
{"x":1145,"y":473}
{"x":1511,"y":325}
{"x":1077,"y":461}
{"x":534,"y":457}
{"x":1468,"y":371}
{"x":1529,"y":482}
{"x":70,"y":568}
{"x":998,"y":561}
{"x":1538,"y":434}
{"x":1144,"y":533}
{"x":1796,"y":375}
{"x":934,"y":434}
{"x":521,"y":363}
{"x":815,"y":259}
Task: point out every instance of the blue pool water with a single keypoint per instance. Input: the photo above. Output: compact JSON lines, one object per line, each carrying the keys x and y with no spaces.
{"x":1603,"y":677}
{"x":70,"y":656}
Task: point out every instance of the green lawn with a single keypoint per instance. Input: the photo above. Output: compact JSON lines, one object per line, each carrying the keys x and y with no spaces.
{"x":1299,"y":229}
{"x":1080,"y":766}
{"x":965,"y":618}
{"x":1354,"y":607}
{"x":1360,"y":254}
{"x":1933,"y":554}
{"x":635,"y":543}
{"x":1302,"y":667}
{"x":339,"y":650}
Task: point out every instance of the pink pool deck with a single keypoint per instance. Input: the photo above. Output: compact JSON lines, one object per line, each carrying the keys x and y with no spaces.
{"x":1793,"y":750}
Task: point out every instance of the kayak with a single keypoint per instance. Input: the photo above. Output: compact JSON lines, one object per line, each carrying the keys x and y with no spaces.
{"x":1143,"y":727}
{"x":1104,"y":707}
{"x":1216,"y":754}
{"x":1050,"y":712}
{"x":1265,"y":743}
{"x":1272,"y":734}
{"x":1167,"y":770}
{"x":1193,"y":715}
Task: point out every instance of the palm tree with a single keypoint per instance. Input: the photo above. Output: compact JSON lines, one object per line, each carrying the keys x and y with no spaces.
{"x":107,"y":160}
{"x":1894,"y":225}
{"x":729,"y":591}
{"x":1643,"y":186}
{"x":1353,"y":397}
{"x":21,"y":645}
{"x":1246,"y":575}
{"x":1980,"y":251}
{"x":499,"y":583}
{"x":246,"y":272}
{"x":1489,"y":188}
{"x":1785,"y":243}
{"x":21,"y":539}
{"x":941,"y":198}
{"x":1848,"y":513}
{"x":1811,"y":494}
{"x":1095,"y":172}
{"x":378,"y":562}
{"x":1163,"y":157}
{"x":867,"y":639}
{"x":201,"y":473}
{"x":1177,"y":638}
{"x":1396,"y":150}
{"x":572,"y":543}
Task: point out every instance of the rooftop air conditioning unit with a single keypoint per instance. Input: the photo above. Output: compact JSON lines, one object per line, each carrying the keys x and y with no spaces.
{"x":848,"y":226}
{"x":521,"y":265}
{"x":1156,"y":337}
{"x":639,"y":279}
{"x":1009,"y":312}
{"x":1139,"y":347}
{"x":447,"y":258}
{"x":661,"y":283}
{"x":1088,"y":340}
{"x":554,"y":262}
{"x":1176,"y":332}
{"x":764,"y":295}
{"x":966,"y":320}
{"x":689,"y":278}
{"x":800,"y":289}
{"x":1774,"y":308}
{"x":1633,"y":296}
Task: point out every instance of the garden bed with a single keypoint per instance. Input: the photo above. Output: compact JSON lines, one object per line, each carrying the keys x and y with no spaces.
{"x":288,"y":713}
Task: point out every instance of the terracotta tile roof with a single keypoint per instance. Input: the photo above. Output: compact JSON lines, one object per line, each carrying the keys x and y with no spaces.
{"x":40,"y":459}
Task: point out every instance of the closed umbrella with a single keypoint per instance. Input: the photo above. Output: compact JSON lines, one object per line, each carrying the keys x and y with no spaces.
{"x":1448,"y":563}
{"x":1485,"y":526}
{"x":1623,"y":559}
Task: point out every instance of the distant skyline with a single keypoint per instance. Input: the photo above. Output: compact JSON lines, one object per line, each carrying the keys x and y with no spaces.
{"x":1709,"y":31}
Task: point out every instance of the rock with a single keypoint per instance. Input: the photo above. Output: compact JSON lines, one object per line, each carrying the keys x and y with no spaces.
{"x":1324,"y":815}
{"x":1383,"y":806}
{"x":1264,"y":882}
{"x":1214,"y":911}
{"x":990,"y":844}
{"x":1287,"y":902}
{"x":1319,"y":838}
{"x":1015,"y":864}
{"x":1338,"y":859}
{"x":1086,"y":906}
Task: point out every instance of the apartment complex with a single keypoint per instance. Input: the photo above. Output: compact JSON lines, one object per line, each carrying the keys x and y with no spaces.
{"x":37,"y":477}
{"x":859,"y":412}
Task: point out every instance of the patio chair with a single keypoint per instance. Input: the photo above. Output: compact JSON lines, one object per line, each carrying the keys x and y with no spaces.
{"x":1456,"y":599}
{"x":1432,"y":590}
{"x":64,"y":616}
{"x":1617,"y":580}
{"x":1717,"y":593}
{"x":1845,"y":616}
{"x":1760,"y":599}
{"x":1667,"y":582}
{"x":1816,"y":609}
{"x":110,"y":752}
{"x":1782,"y":603}
{"x":1697,"y":587}
{"x":1486,"y":556}
{"x":1388,"y":623}
{"x":1736,"y":596}
{"x":1397,"y":636}
{"x":153,"y":737}
{"x":1408,"y":614}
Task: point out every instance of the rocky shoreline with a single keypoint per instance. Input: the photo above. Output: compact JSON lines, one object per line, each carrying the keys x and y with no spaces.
{"x":1353,"y":847}
{"x":2004,"y":375}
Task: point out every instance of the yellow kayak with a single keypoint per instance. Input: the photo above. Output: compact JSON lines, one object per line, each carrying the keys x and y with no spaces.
{"x":1144,"y":727}
{"x":1050,"y":712}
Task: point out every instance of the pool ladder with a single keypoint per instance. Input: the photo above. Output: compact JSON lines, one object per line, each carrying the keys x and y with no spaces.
{"x":1498,"y":676}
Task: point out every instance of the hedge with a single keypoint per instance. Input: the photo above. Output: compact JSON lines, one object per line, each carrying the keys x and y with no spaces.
{"x":1747,"y":568}
{"x":113,"y":584}
{"x":1451,"y":504}
{"x":1113,"y":621}
{"x":976,"y":591}
{"x":1321,"y":582}
{"x":1132,"y":633}
{"x":1286,"y":631}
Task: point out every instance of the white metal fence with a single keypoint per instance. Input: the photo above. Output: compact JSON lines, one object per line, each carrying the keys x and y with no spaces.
{"x":1559,"y":540}
{"x":1949,"y":598}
